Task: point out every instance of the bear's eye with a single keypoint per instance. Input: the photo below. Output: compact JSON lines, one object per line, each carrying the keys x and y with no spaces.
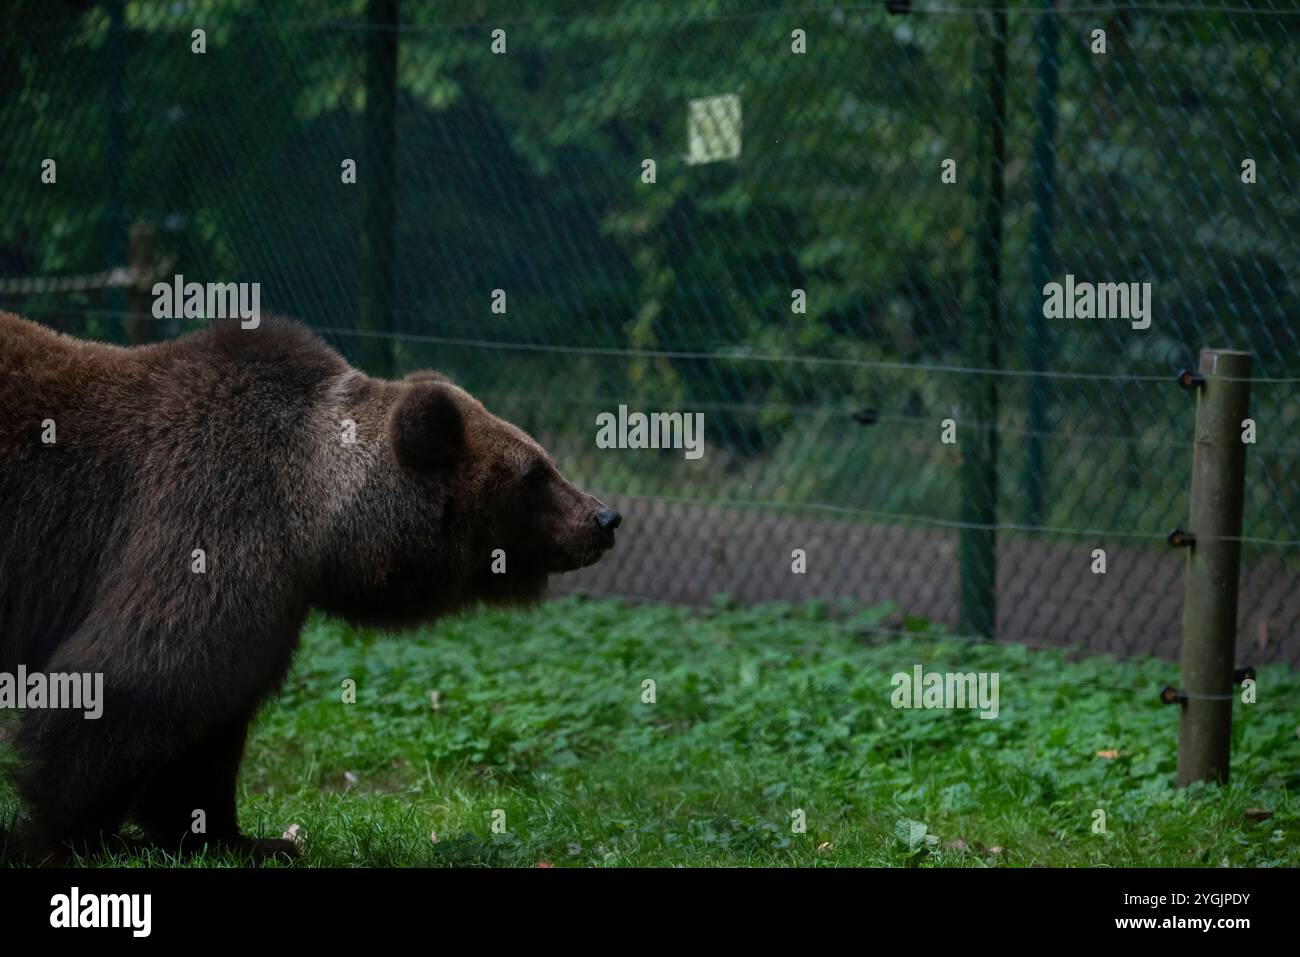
{"x":535,"y":476}
{"x":535,"y":480}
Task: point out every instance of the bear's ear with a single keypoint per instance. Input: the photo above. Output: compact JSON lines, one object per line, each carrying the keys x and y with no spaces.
{"x":426,"y":427}
{"x":428,"y":375}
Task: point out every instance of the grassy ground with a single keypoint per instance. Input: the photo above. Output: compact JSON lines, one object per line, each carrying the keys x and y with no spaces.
{"x":540,"y":722}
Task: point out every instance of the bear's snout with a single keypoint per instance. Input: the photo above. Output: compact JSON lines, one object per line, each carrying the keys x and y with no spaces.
{"x":590,"y":536}
{"x":606,"y":521}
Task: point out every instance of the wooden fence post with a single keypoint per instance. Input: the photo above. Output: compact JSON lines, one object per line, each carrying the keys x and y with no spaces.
{"x":1213,"y":567}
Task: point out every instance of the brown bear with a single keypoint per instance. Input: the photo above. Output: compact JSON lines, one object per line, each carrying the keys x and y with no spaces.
{"x":170,"y":513}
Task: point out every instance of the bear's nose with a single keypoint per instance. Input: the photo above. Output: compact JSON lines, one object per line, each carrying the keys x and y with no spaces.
{"x":608,"y":519}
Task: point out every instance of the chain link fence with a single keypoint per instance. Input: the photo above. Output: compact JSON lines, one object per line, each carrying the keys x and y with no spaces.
{"x":827,"y":228}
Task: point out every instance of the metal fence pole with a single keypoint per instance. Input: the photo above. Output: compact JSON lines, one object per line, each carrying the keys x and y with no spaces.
{"x":1040,"y":263}
{"x":115,"y":221}
{"x":379,"y":243}
{"x":981,"y":333}
{"x":1213,"y":567}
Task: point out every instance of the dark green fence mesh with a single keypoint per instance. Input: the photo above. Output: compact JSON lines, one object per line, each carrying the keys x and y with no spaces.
{"x":798,"y":271}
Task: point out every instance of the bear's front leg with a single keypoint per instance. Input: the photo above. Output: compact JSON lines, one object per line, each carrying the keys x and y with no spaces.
{"x":189,"y":802}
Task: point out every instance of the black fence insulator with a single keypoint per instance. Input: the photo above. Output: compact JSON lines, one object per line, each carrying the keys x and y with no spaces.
{"x":1181,"y":539}
{"x":866,"y":416}
{"x":1190,"y":381}
{"x":1171,"y":695}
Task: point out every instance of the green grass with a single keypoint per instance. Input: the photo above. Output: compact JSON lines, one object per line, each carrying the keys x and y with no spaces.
{"x":758,"y":713}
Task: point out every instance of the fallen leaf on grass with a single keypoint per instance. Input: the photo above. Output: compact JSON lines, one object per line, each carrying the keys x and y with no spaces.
{"x":1258,"y":813}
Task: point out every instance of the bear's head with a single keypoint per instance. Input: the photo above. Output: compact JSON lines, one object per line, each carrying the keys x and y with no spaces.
{"x":461,"y":507}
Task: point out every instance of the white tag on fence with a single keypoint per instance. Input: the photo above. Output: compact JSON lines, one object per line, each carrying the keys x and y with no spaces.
{"x":713,"y":128}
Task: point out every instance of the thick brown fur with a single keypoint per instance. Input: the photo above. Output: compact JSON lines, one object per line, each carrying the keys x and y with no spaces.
{"x":232,"y":441}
